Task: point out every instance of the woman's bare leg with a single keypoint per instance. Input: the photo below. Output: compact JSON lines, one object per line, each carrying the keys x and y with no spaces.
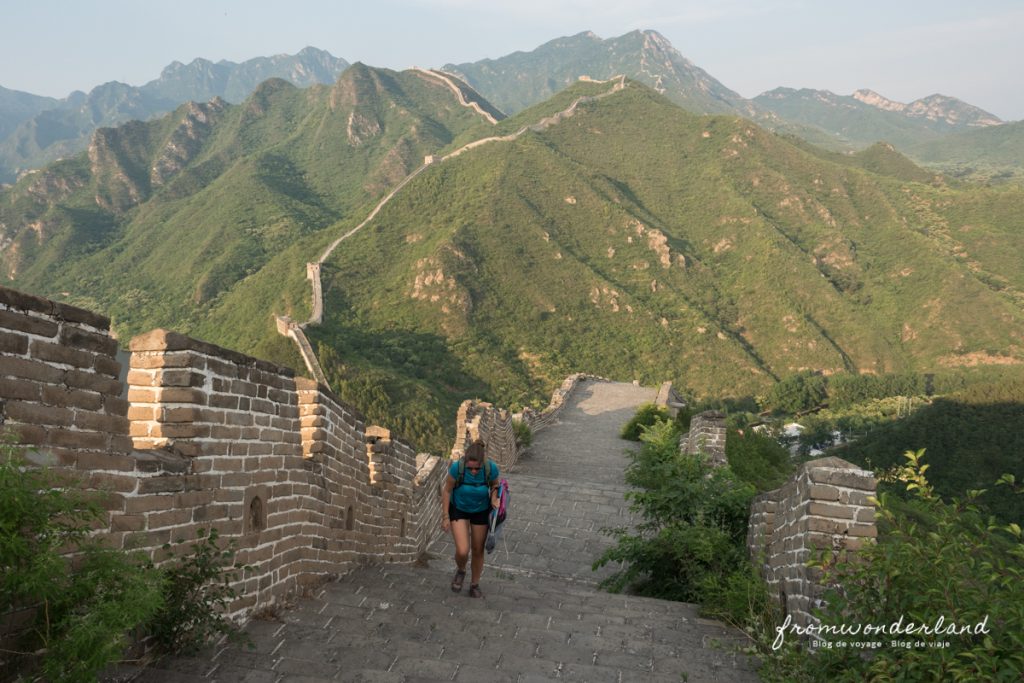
{"x":479,"y":537}
{"x":461,"y":536}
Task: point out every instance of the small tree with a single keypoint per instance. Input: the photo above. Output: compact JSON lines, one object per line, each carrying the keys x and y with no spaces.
{"x":646,"y":415}
{"x":933,"y":559}
{"x":85,"y":597}
{"x":797,"y":392}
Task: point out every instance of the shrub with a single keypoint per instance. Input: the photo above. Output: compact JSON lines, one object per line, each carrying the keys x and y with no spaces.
{"x":801,"y":391}
{"x":957,"y":564}
{"x":693,"y":528}
{"x":646,"y":415}
{"x":523,"y":433}
{"x":82,"y":616}
{"x":757,"y":459}
{"x":199,"y":587}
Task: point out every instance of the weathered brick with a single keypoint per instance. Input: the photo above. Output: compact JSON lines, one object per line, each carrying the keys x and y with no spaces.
{"x":191,"y":449}
{"x":162,"y":484}
{"x":239,"y":419}
{"x":121,"y":443}
{"x":92,"y":441}
{"x":20,"y":389}
{"x":93,"y":382}
{"x":823,"y":492}
{"x":142,"y":378}
{"x":105,"y":461}
{"x":16,"y":344}
{"x":225,"y":401}
{"x":219,"y":367}
{"x":143,"y":412}
{"x":73,"y":398}
{"x":848,"y":478}
{"x":866,"y":515}
{"x":208,"y":513}
{"x":178,"y":431}
{"x":109,"y":367}
{"x":30,"y":369}
{"x":177,"y":517}
{"x":148,"y":503}
{"x":181,"y":395}
{"x":141,"y":429}
{"x":139,"y":395}
{"x":182,"y":414}
{"x":180,"y":378}
{"x":193,"y":499}
{"x":29,"y":434}
{"x":147,"y":539}
{"x":35,"y":413}
{"x":225,"y":433}
{"x":125,"y":483}
{"x":55,"y":353}
{"x":826,"y":510}
{"x":170,"y":359}
{"x":11,"y":320}
{"x":90,"y":341}
{"x":127,"y":523}
{"x":73,"y":314}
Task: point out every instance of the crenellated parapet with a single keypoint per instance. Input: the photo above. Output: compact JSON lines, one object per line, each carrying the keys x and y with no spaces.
{"x":827,"y":506}
{"x":707,"y":436}
{"x":213,"y":438}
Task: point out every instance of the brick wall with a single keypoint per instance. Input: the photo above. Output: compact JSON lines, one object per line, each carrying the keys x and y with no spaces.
{"x":669,"y":399}
{"x":60,"y":382}
{"x":493,"y":426}
{"x":824,"y":506}
{"x":210,"y":437}
{"x":707,"y":436}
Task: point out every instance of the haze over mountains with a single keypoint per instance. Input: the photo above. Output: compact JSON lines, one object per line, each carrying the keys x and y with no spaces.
{"x":35,"y":131}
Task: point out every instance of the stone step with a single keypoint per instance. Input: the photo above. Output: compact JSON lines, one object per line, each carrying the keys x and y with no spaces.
{"x":403,"y":623}
{"x":556,"y":528}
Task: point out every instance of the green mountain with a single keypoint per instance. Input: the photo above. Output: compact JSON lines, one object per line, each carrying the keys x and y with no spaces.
{"x":865,"y":117}
{"x":995,"y":152}
{"x":722,"y":260}
{"x":17,"y":107}
{"x":64,"y":128}
{"x":522,"y":79}
{"x":160,"y":221}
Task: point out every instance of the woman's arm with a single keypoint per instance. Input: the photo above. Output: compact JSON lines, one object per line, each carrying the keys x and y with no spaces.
{"x":446,"y":496}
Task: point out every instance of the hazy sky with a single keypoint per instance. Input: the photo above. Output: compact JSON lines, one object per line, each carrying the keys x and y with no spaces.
{"x":904,"y":49}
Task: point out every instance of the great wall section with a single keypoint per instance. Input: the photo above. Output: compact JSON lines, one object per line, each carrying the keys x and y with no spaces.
{"x":201,"y":436}
{"x":321,"y":504}
{"x":295,"y":330}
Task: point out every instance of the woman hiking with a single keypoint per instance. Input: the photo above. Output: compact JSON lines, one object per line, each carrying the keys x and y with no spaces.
{"x":469,"y":493}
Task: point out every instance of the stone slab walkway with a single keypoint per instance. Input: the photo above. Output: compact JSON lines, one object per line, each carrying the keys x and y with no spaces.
{"x":542,"y":618}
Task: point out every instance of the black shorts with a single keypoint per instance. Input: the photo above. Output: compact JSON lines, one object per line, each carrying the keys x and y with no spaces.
{"x":475,"y":518}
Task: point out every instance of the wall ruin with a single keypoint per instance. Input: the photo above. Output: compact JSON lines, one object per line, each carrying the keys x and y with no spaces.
{"x":826,"y":506}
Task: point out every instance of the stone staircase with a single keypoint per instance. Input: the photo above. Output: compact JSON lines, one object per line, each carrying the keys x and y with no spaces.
{"x":403,"y":623}
{"x":542,"y":616}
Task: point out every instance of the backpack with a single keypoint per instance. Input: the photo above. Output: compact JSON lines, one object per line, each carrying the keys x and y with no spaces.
{"x":498,"y":516}
{"x":460,"y":480}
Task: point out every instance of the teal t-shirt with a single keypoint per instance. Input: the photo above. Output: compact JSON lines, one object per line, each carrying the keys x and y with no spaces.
{"x":473,"y":495}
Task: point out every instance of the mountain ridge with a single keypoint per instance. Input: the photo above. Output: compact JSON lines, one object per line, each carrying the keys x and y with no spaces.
{"x":724,"y":260}
{"x":865,"y":117}
{"x":65,"y":128}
